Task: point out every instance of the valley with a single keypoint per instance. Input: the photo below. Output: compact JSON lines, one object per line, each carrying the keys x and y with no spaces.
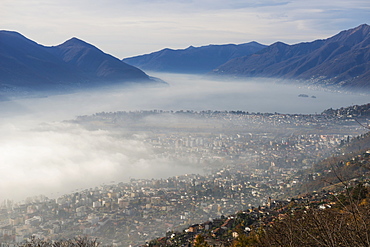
{"x":246,"y":158}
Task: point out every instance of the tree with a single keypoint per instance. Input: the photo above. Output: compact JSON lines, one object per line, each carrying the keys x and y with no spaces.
{"x":200,"y":241}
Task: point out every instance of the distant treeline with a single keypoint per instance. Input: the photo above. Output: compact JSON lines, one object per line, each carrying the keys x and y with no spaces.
{"x":143,"y":113}
{"x":352,"y":111}
{"x":345,"y":112}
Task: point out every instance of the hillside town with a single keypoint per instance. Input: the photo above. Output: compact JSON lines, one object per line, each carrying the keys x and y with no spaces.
{"x":244,"y":167}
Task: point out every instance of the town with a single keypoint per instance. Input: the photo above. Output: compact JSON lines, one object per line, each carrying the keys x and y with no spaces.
{"x":246,"y":159}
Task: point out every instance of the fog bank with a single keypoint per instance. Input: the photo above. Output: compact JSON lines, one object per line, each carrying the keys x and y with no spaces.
{"x":41,"y":154}
{"x":185,"y":92}
{"x":57,"y":158}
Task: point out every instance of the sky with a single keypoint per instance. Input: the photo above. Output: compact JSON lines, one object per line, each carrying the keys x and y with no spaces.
{"x":125,"y":28}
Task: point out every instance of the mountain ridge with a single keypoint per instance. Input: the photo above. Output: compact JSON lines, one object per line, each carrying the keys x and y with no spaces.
{"x":91,"y":60}
{"x":341,"y":60}
{"x":28,"y":66}
{"x":192,"y":59}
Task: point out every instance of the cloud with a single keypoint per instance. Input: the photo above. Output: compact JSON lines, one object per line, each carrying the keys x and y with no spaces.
{"x":127,"y":28}
{"x":57,"y":158}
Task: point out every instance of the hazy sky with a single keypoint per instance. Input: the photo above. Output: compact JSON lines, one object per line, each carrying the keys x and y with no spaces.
{"x":132,"y":27}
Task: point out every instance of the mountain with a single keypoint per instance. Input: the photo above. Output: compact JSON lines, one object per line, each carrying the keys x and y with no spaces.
{"x":26,"y":65}
{"x":342,"y":60}
{"x":95,"y":64}
{"x":192,"y":59}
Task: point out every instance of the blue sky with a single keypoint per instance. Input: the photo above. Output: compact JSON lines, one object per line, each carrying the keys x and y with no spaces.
{"x":126,"y":28}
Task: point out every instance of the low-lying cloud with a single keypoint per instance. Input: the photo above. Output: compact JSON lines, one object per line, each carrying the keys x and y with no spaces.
{"x":41,"y":154}
{"x":58,"y":158}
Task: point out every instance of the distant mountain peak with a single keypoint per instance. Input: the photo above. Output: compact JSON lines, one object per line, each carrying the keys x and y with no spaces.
{"x":12,"y":37}
{"x":364,"y":29}
{"x":192,"y":59}
{"x":362,"y":26}
{"x":12,"y":33}
{"x":26,"y":65}
{"x":76,"y":42}
{"x":356,"y":33}
{"x":279,"y":43}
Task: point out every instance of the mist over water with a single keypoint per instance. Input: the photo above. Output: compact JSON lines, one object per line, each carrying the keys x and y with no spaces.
{"x":41,"y":154}
{"x":184,"y":92}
